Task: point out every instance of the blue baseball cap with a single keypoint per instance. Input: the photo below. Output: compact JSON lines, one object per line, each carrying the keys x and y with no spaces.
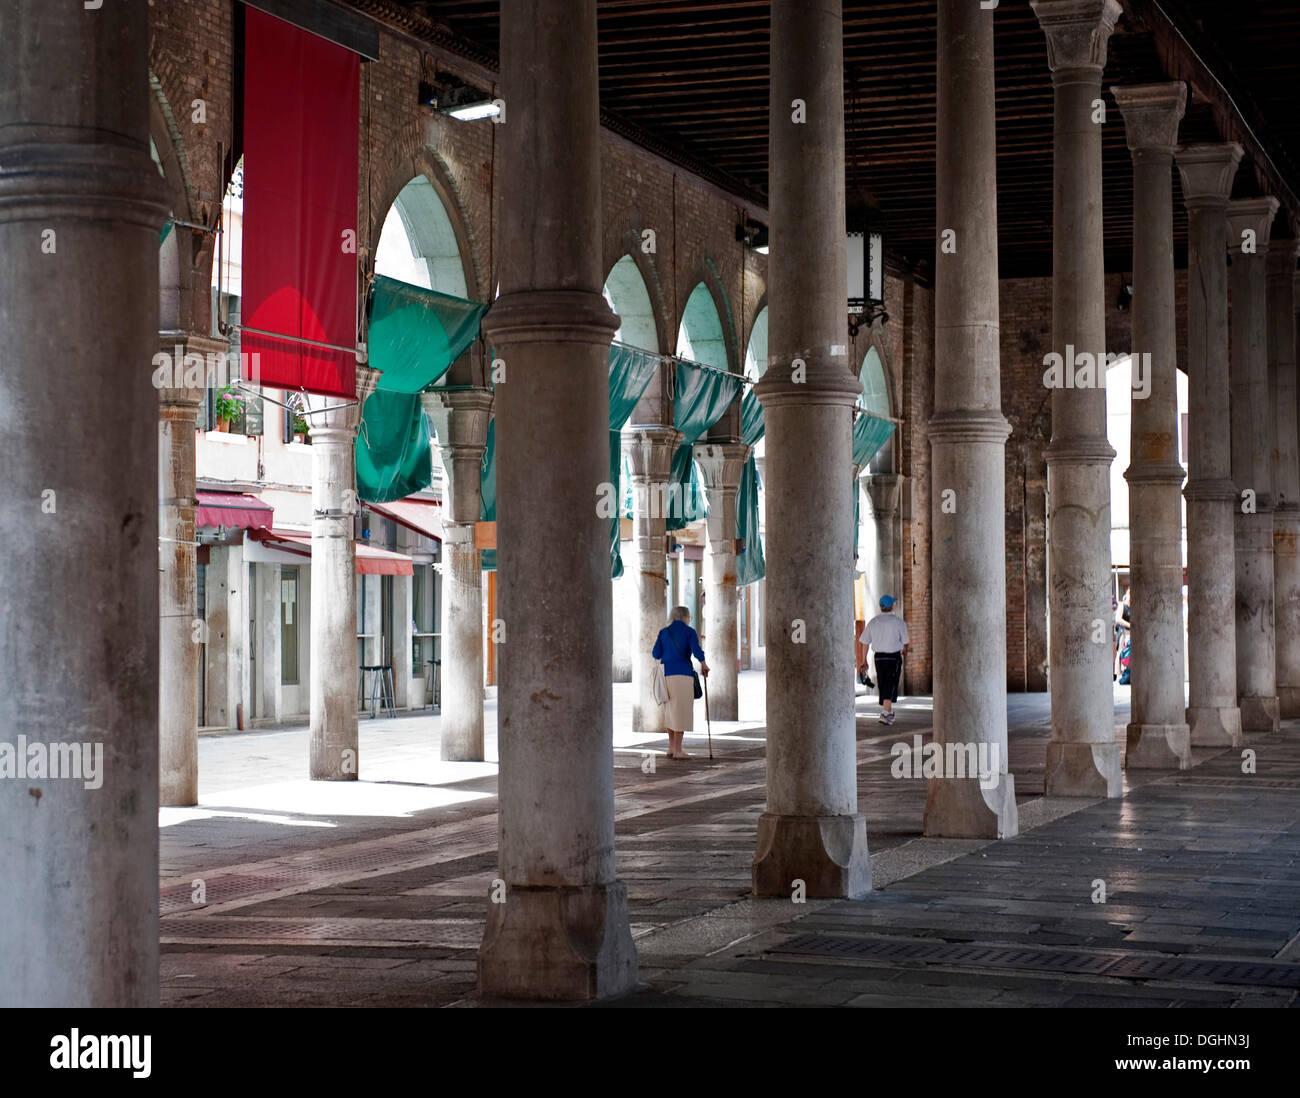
{"x":886,"y":601}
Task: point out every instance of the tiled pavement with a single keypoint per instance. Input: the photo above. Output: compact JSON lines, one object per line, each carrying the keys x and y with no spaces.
{"x":373,"y":893}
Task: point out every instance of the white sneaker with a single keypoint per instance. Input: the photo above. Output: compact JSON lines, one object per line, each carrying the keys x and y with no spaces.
{"x":883,"y":718}
{"x":889,"y":718}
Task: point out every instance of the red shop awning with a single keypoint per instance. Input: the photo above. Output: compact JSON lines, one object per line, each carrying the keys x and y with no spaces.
{"x":233,"y":510}
{"x":370,"y":560}
{"x":424,"y":516}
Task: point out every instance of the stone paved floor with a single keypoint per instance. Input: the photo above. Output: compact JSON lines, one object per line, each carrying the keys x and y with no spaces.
{"x":374,"y":892}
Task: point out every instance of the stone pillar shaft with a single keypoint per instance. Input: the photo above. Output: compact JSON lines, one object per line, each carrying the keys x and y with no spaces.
{"x":1158,"y":735}
{"x":1207,"y":172}
{"x":811,"y":829}
{"x":721,"y":466}
{"x":649,"y":452}
{"x":1286,"y":473}
{"x":81,"y":205}
{"x":179,"y":641}
{"x":461,"y":420}
{"x":1083,"y":758}
{"x":968,"y":436}
{"x":562,"y":932}
{"x":1249,"y":224}
{"x":334,"y":665}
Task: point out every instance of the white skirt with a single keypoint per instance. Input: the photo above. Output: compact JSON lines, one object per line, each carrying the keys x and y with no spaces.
{"x":679,"y":713}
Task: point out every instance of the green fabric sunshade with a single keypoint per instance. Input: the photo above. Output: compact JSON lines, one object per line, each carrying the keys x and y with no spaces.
{"x":414,"y":336}
{"x":703,"y":394}
{"x":750,"y":564}
{"x":630,"y":372}
{"x":870,"y":433}
{"x":487,"y":510}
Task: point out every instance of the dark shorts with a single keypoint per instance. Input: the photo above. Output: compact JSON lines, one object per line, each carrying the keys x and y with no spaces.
{"x":889,"y":665}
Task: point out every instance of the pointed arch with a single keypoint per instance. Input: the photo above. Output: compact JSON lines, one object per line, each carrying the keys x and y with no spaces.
{"x":626,"y":291}
{"x":700,"y":334}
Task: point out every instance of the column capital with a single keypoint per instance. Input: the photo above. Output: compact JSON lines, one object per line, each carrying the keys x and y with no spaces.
{"x":526,"y":316}
{"x":1151,"y":114}
{"x":650,"y":451}
{"x":1207,"y":172}
{"x":178,"y":345}
{"x":721,"y":463}
{"x":883,"y":490}
{"x":1077,"y":32}
{"x":1251,"y":215}
{"x":460,"y":418}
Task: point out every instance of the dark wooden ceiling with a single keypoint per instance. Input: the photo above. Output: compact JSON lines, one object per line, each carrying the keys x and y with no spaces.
{"x":690,"y":77}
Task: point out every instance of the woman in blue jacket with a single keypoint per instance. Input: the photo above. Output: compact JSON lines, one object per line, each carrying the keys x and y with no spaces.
{"x":675,"y":645}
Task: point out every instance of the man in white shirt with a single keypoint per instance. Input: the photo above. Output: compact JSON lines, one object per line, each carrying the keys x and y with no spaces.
{"x":886,"y":635}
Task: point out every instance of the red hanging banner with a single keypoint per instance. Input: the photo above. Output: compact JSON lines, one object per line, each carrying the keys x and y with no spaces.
{"x":301,"y":123}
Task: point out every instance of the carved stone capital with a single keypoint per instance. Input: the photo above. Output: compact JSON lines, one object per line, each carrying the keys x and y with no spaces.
{"x":721,"y":463}
{"x":180,"y":347}
{"x":649,"y":452}
{"x":1251,"y":215}
{"x":1207,"y":172}
{"x":1151,"y":114}
{"x":460,"y":421}
{"x":883,"y":490}
{"x":1077,"y":31}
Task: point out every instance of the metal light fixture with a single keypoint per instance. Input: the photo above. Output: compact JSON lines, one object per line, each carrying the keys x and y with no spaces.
{"x":865,"y":248}
{"x":458,"y":101}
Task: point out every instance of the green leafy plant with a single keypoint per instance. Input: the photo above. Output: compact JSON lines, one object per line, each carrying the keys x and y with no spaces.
{"x":230,"y":403}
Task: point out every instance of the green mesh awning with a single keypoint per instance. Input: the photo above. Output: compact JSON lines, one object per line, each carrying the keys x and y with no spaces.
{"x":751,"y":419}
{"x":750,"y":565}
{"x":631,"y":370}
{"x":414,"y":336}
{"x":870,"y":433}
{"x":703,"y":395}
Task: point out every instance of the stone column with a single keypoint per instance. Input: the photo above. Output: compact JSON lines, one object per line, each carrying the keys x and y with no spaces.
{"x":649,"y":452}
{"x":1207,"y":172}
{"x":1158,"y":735}
{"x":81,"y":205}
{"x":883,"y":491}
{"x":179,"y":639}
{"x":721,"y":465}
{"x":968,"y":439}
{"x":461,"y":421}
{"x":227,"y":634}
{"x":1250,"y":221}
{"x":811,"y":829}
{"x":403,"y":672}
{"x":1286,"y":473}
{"x":562,"y":932}
{"x":334,"y":665}
{"x":270,"y":689}
{"x":1083,"y":759}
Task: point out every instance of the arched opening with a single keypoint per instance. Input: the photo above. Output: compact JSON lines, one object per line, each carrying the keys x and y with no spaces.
{"x":626,"y":292}
{"x":699,"y":337}
{"x":418,"y":244}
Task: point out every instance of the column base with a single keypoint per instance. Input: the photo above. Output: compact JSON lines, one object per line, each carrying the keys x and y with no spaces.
{"x":828,"y":853}
{"x":558,"y":943}
{"x":1288,"y":698}
{"x":961,"y":808}
{"x":1260,"y":714}
{"x":1083,"y":770}
{"x":1215,"y":726}
{"x":1158,"y":747}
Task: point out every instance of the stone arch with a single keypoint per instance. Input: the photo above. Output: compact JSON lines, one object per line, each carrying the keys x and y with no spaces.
{"x":626,"y":291}
{"x":426,"y":165}
{"x":700,"y":332}
{"x":418,"y":241}
{"x":756,"y":343}
{"x":185,"y":255}
{"x":709,"y":280}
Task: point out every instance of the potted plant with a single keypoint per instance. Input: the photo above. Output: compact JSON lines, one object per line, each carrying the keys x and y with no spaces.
{"x":300,"y":426}
{"x":229,"y":404}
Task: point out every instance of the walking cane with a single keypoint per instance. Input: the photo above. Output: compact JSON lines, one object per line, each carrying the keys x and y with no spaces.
{"x":707,"y":723}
